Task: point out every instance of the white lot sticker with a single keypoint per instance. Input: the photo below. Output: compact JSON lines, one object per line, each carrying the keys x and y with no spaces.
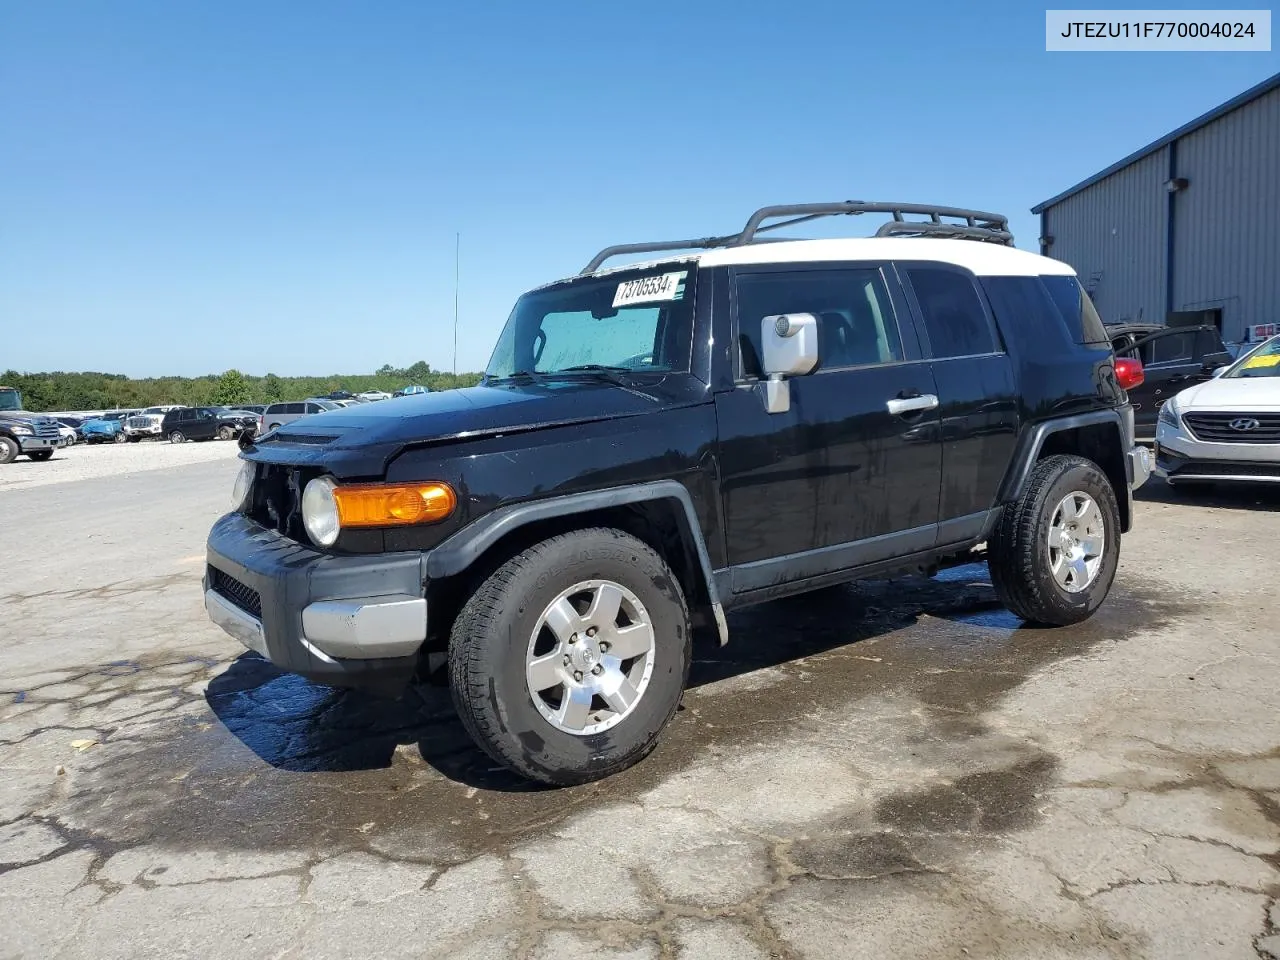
{"x":665,"y":286}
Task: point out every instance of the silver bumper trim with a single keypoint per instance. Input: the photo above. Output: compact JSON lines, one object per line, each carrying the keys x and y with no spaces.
{"x":366,"y":628}
{"x":243,"y":626}
{"x":1140,"y":461}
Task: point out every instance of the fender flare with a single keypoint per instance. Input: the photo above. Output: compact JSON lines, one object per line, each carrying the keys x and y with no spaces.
{"x":463,"y":548}
{"x":1032,"y":441}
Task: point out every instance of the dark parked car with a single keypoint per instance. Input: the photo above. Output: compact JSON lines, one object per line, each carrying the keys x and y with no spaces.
{"x":205,"y":423}
{"x":1173,"y":358}
{"x":810,"y":413}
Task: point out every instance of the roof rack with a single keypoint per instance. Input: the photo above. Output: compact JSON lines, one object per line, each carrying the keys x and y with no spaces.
{"x":977,"y":225}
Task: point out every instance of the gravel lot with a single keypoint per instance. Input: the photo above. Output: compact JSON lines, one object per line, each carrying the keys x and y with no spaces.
{"x":87,"y":461}
{"x":896,"y":770}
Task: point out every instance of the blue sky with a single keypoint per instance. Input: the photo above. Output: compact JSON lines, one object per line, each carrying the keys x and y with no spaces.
{"x":276,"y":186}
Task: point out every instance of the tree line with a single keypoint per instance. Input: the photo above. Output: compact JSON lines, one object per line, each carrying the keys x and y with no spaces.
{"x":113,"y":391}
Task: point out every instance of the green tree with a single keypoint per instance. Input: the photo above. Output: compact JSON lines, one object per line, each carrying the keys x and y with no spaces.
{"x":272,"y":389}
{"x":232,"y":389}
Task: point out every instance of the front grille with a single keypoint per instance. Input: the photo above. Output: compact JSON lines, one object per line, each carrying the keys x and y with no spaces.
{"x":138,"y":423}
{"x":1226,"y":468}
{"x":48,"y":429}
{"x":277,"y":498}
{"x":1217,"y":427}
{"x":229,"y":588}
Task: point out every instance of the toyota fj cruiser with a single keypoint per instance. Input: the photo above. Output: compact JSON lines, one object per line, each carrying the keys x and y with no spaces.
{"x":657,"y":443}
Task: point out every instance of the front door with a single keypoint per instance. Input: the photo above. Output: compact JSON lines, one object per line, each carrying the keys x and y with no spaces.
{"x":851,"y":473}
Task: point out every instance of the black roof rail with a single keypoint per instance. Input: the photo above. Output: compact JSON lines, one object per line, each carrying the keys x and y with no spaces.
{"x":977,"y":225}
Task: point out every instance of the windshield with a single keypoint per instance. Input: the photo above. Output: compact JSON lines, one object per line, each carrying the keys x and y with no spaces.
{"x":10,"y":399}
{"x":630,"y":321}
{"x":1264,"y":361}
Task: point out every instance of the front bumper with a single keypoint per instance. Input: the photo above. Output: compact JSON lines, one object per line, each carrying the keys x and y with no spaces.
{"x":353,"y":621}
{"x":1180,"y":456}
{"x":29,"y":444}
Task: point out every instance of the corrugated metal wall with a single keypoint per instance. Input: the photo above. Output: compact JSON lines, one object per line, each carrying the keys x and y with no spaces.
{"x":1113,"y":234}
{"x":1226,"y":226}
{"x":1227,"y":221}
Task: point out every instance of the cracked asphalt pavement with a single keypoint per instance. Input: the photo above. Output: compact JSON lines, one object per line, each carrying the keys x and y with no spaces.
{"x":890,"y":770}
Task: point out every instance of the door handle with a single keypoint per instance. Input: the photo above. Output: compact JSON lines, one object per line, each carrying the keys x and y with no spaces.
{"x":899,"y":406}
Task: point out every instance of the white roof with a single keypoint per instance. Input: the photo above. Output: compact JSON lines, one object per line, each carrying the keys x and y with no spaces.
{"x":983,"y":259}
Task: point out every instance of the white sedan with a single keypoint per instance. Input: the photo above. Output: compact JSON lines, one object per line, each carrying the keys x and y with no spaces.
{"x":1227,"y":428}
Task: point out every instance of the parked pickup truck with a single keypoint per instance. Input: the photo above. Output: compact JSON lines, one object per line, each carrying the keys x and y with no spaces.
{"x":27,"y":434}
{"x":655,"y":444}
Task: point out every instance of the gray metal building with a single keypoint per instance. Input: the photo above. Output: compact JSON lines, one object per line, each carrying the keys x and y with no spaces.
{"x":1187,"y":229}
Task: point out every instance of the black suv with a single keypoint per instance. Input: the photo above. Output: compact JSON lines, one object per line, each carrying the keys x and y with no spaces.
{"x":655,"y":444}
{"x":1173,"y":358}
{"x":206,"y":423}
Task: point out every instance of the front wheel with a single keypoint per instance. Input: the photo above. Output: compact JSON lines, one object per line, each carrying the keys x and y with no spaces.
{"x":119,"y":438}
{"x":1054,"y":553}
{"x":41,"y":455}
{"x":569,"y":660}
{"x":225,"y":433}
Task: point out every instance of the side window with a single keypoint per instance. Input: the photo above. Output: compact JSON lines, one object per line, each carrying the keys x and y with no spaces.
{"x":856,"y":323}
{"x":1172,"y":348}
{"x":953,"y":316}
{"x":295,"y":408}
{"x":313,"y":408}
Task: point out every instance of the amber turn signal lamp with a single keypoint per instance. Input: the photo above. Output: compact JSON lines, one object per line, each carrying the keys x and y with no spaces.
{"x":393,"y":504}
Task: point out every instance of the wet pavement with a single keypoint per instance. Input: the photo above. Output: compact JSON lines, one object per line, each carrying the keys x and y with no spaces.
{"x":894,"y":769}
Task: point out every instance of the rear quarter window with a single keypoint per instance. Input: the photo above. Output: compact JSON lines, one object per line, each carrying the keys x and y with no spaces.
{"x":1028,"y":316}
{"x":1078,"y":312}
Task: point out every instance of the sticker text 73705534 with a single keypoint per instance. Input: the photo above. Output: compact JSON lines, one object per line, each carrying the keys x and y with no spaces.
{"x":663,"y":286}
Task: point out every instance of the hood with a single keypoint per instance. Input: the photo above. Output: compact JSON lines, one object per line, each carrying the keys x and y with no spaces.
{"x":1239,"y":393}
{"x":359,"y":440}
{"x":22,"y":416}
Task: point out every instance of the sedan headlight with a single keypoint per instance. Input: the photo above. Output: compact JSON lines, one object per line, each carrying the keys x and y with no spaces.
{"x":320,"y":512}
{"x":243,"y":484}
{"x":1169,"y":414}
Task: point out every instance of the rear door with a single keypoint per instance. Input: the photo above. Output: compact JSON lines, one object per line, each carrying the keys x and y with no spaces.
{"x":840,"y":479}
{"x":976,"y":388}
{"x":1170,"y":364}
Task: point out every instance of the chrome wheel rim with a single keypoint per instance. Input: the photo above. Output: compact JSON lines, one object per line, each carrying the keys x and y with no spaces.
{"x":590,"y":657}
{"x":1077,"y":540}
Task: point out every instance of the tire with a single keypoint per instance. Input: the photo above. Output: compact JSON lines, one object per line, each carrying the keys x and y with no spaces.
{"x":493,"y":638}
{"x":9,"y":450}
{"x":1020,"y":556}
{"x":274,"y":426}
{"x":176,"y":437}
{"x":225,"y":433}
{"x":40,"y":456}
{"x":119,"y":438}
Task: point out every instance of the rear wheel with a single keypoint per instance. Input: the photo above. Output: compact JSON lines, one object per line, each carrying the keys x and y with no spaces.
{"x":176,"y":437}
{"x":9,"y":450}
{"x":41,"y":455}
{"x":1054,"y":553}
{"x":569,"y":660}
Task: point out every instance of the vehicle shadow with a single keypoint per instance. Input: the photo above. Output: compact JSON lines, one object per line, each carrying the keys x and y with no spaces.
{"x":1235,"y":496}
{"x":299,"y":726}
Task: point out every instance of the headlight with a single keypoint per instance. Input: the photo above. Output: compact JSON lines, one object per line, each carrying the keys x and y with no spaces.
{"x":1169,"y":414}
{"x":328,"y":507}
{"x":320,"y":512}
{"x":20,"y":430}
{"x":244,"y":483}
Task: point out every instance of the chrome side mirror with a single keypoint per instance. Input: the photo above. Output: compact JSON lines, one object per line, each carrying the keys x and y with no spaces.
{"x":790,"y":350}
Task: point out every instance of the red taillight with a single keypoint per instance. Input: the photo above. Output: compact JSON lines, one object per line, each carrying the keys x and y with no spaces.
{"x":1129,"y":372}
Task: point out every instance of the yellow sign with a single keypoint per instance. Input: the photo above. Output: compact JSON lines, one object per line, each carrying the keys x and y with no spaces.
{"x":1263,"y":360}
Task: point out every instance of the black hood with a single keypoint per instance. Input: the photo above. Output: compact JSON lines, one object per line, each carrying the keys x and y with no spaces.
{"x":359,"y":440}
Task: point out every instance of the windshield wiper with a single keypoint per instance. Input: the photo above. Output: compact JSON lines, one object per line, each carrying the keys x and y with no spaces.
{"x":604,"y":371}
{"x":531,"y":375}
